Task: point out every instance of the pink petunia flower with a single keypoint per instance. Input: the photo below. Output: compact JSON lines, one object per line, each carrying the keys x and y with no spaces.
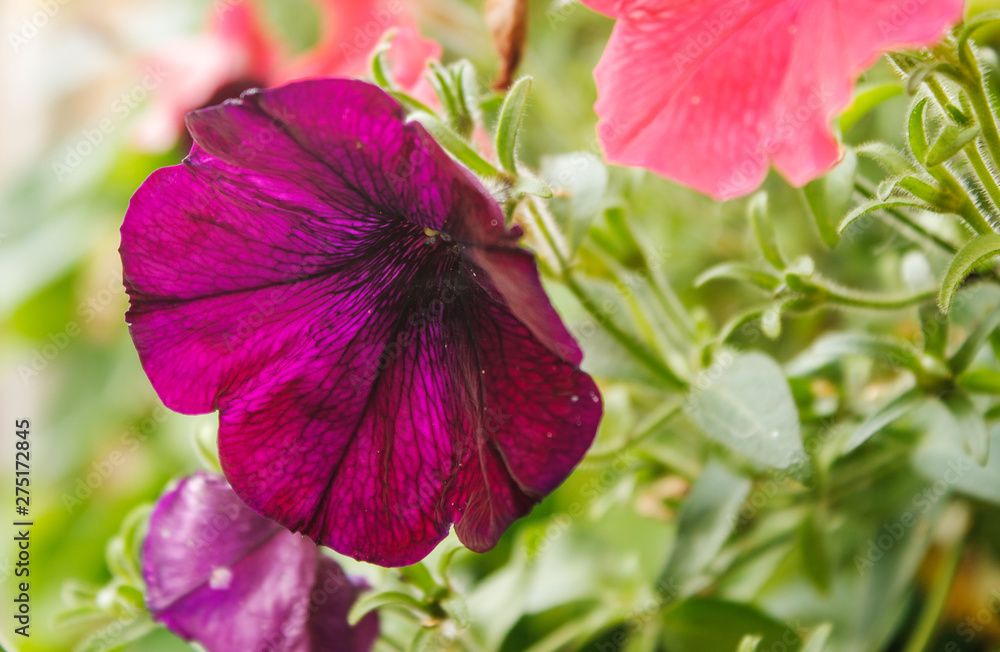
{"x":711,"y":92}
{"x":219,"y":574}
{"x":381,"y":351}
{"x":238,"y":52}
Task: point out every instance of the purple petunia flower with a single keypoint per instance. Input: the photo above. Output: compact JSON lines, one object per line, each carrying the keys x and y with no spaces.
{"x":219,"y":574}
{"x":381,"y":352}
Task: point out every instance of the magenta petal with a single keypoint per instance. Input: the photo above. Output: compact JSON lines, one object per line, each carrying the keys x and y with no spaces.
{"x":349,"y":299}
{"x":711,"y":92}
{"x":219,"y":574}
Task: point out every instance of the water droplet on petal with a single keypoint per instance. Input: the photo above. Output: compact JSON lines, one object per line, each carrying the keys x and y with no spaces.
{"x":574,"y":398}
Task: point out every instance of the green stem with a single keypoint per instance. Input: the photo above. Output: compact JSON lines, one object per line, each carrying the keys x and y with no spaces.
{"x":923,"y":634}
{"x":972,"y":149}
{"x":865,"y":189}
{"x":856,"y":299}
{"x":629,"y":343}
{"x":983,"y":172}
{"x":967,"y":210}
{"x":981,"y":104}
{"x":644,"y":432}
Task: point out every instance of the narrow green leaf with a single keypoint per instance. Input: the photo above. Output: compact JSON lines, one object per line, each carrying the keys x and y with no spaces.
{"x":744,"y":403}
{"x":897,"y":408}
{"x":878,"y":204}
{"x":509,"y":123}
{"x":950,"y":142}
{"x":919,"y":74}
{"x":706,"y":520}
{"x":917,"y":130}
{"x":395,"y":599}
{"x":739,"y":272}
{"x":967,"y":353}
{"x":831,"y":348}
{"x":763,"y":228}
{"x":888,"y":157}
{"x":829,"y":197}
{"x":971,"y":425}
{"x":455,"y":146}
{"x":927,"y":192}
{"x":380,"y":73}
{"x":817,"y":640}
{"x":980,"y":381}
{"x":866,"y":98}
{"x":972,"y":255}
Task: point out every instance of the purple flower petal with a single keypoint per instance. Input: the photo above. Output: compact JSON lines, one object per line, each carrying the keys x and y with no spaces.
{"x":382,"y":354}
{"x":218,"y":573}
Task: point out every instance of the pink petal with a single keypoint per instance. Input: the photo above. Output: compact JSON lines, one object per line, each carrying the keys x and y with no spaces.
{"x":711,"y":92}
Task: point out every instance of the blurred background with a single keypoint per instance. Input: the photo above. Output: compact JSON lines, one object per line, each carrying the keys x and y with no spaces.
{"x":92,"y":94}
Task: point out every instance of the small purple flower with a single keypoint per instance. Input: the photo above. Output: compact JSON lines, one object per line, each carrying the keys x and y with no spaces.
{"x":219,"y":574}
{"x":381,"y":352}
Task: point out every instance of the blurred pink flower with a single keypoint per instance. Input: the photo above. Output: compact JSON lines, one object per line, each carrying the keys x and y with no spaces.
{"x":238,"y":52}
{"x":710,"y":92}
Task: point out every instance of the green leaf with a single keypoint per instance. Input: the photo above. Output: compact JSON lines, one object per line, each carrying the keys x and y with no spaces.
{"x":739,"y":272}
{"x":952,"y":140}
{"x":744,"y":403}
{"x":817,"y":640}
{"x":749,"y":643}
{"x":395,"y":599}
{"x":579,"y":180}
{"x":927,"y":192}
{"x":866,"y":98}
{"x":454,"y":145}
{"x":972,"y":255}
{"x":418,"y":575}
{"x":942,"y":459}
{"x":878,"y":204}
{"x":829,"y":197}
{"x":815,"y":556}
{"x":897,"y":408}
{"x":706,"y":520}
{"x":764,"y":230}
{"x":509,"y":123}
{"x":709,"y":624}
{"x":917,"y":130}
{"x":980,"y":381}
{"x":971,"y":425}
{"x":967,"y":353}
{"x":831,"y":348}
{"x":888,"y":157}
